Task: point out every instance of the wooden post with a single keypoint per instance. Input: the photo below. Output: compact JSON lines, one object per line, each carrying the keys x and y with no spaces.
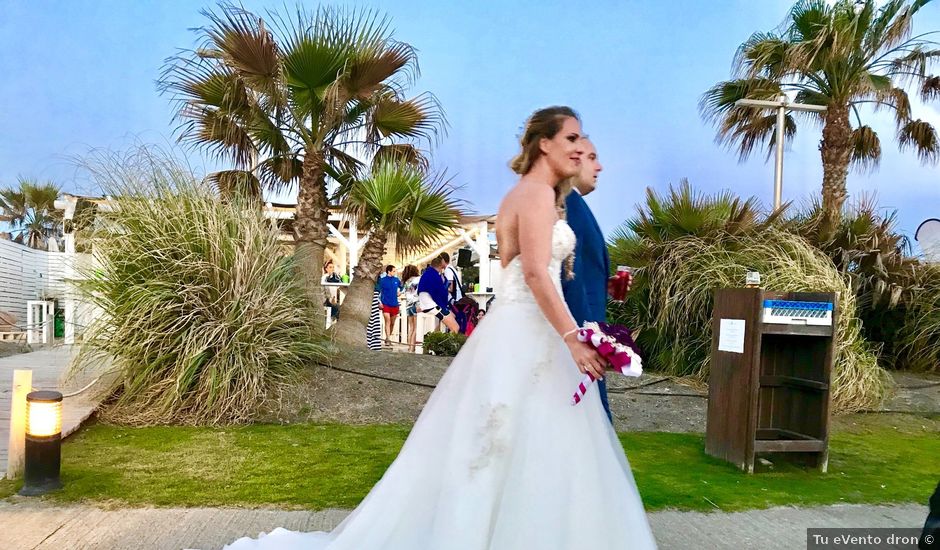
{"x":355,"y":246}
{"x":22,"y":385}
{"x":30,"y":321}
{"x":70,"y":313}
{"x":483,"y":251}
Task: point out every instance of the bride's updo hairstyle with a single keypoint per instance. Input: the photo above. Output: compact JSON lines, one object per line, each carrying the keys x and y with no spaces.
{"x":544,"y":123}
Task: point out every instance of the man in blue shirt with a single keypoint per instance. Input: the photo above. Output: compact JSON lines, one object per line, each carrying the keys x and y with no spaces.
{"x":389,"y":287}
{"x":433,"y":296}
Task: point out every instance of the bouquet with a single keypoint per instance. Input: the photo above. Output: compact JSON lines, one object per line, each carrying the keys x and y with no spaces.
{"x":615,"y":344}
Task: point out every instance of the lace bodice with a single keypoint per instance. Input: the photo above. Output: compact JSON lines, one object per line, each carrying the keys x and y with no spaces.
{"x":513,"y":287}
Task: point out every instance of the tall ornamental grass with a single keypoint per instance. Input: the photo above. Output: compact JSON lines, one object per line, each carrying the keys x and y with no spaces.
{"x":918,"y":340}
{"x":201,"y":315}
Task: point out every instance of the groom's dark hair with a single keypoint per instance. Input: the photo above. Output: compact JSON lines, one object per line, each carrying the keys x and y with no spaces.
{"x":437,"y":261}
{"x":445,"y":256}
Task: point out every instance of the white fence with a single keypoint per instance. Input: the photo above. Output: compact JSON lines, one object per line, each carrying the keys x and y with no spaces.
{"x":29,"y":274}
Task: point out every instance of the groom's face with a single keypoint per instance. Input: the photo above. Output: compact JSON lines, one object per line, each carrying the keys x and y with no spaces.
{"x":590,"y":168}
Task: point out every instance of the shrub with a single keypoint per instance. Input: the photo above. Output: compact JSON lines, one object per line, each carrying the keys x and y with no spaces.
{"x":200,"y":313}
{"x":686,"y":245}
{"x":446,"y":344}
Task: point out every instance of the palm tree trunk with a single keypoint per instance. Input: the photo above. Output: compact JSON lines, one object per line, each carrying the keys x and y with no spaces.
{"x":310,"y":230}
{"x":836,"y":152}
{"x":354,"y":313}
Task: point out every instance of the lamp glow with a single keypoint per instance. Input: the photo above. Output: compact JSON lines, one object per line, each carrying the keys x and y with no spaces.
{"x":44,"y":418}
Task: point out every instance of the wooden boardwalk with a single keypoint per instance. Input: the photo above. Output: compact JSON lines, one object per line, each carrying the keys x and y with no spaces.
{"x":49,"y":366}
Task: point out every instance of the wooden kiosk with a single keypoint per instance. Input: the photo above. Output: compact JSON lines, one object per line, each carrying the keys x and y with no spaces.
{"x":768,"y":387}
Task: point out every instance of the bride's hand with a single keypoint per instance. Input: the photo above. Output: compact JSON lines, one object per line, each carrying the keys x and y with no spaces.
{"x":586,"y":357}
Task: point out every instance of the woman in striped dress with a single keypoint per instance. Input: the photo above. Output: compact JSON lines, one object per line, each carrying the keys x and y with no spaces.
{"x":374,"y":328}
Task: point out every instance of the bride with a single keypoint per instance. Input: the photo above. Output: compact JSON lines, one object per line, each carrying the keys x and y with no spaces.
{"x":499,"y":459}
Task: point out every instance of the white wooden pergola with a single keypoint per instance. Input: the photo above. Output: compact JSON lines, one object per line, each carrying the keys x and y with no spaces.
{"x":344,"y":233}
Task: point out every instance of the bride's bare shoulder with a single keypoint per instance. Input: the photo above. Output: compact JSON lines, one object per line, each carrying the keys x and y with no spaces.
{"x":526,"y":194}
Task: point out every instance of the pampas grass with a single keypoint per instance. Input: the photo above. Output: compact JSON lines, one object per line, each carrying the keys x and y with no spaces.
{"x":201,"y":316}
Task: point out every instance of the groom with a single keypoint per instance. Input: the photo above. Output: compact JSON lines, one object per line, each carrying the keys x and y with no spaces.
{"x":586,"y":293}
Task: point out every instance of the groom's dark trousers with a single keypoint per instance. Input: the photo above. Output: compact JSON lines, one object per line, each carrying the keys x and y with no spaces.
{"x":586,"y":293}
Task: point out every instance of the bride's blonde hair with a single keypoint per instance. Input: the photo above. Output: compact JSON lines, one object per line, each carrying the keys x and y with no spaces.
{"x":543,"y":124}
{"x":546,"y":123}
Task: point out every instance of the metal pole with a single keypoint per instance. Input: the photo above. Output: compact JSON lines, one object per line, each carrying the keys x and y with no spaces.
{"x":782,"y":106}
{"x":778,"y":168}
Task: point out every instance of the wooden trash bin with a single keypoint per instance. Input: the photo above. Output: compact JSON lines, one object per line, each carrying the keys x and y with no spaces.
{"x":769,"y":380}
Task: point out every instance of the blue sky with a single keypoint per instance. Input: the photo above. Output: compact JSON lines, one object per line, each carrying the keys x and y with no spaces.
{"x":78,"y":75}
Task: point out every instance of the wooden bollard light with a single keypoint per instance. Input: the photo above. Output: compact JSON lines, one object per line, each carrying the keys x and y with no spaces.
{"x":43,"y":443}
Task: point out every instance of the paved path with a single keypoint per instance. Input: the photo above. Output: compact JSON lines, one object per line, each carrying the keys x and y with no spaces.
{"x":34,"y":525}
{"x":49,"y":367}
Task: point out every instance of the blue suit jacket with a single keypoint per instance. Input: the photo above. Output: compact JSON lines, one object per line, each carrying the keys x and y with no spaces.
{"x":586,"y":294}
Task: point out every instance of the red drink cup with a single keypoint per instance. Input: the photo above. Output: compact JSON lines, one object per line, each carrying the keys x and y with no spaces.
{"x":620,"y":283}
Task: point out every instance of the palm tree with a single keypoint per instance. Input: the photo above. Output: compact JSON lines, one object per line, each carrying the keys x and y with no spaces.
{"x":30,"y":211}
{"x":287,"y":108}
{"x":843,"y":56}
{"x":398,"y":200}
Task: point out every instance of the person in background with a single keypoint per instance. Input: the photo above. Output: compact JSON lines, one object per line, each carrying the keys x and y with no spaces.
{"x":390,"y":286}
{"x":331,"y":297}
{"x":410,"y":275}
{"x":472,"y":326}
{"x":327,"y":271}
{"x":334,"y":276}
{"x":454,"y":289}
{"x":433,"y":296}
{"x":374,"y":328}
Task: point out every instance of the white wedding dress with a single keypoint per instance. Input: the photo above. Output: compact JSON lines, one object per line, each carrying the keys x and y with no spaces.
{"x":499,"y":459}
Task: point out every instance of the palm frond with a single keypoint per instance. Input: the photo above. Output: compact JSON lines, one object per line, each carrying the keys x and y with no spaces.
{"x":898,"y":29}
{"x":420,"y":117}
{"x":241,"y":41}
{"x":369,"y":68}
{"x":930,"y":89}
{"x":866,"y":148}
{"x":808,"y":19}
{"x":720,"y":99}
{"x":281,"y":172}
{"x":922,"y":137}
{"x":762,"y":55}
{"x":915,"y":62}
{"x":400,"y":152}
{"x":895,"y":98}
{"x":878,"y":28}
{"x":220,"y":133}
{"x":346,"y":162}
{"x":235,"y":183}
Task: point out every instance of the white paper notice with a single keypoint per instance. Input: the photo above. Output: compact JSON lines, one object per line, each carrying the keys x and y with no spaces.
{"x":731,"y":335}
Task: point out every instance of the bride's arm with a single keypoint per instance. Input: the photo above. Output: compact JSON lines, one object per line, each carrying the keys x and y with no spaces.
{"x":536,"y":225}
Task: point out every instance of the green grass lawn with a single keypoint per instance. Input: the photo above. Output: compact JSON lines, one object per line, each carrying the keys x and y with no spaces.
{"x":874,"y":460}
